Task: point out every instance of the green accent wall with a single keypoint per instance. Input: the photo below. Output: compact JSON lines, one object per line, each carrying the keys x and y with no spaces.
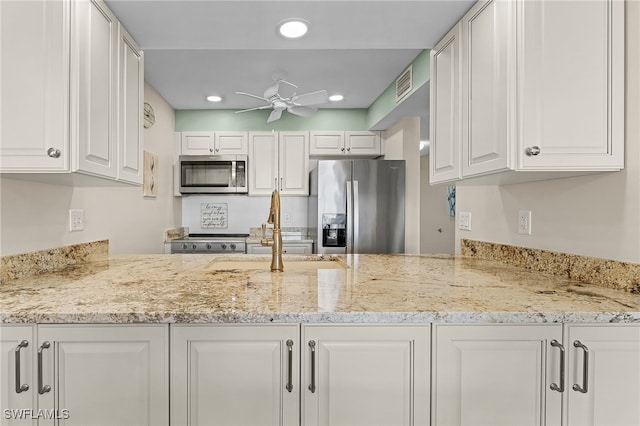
{"x":225,"y":119}
{"x":386,"y":102}
{"x":323,"y":119}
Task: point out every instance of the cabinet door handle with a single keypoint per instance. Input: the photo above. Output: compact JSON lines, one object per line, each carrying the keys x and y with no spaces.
{"x":585,"y":368}
{"x":20,"y":387}
{"x":281,"y":184}
{"x":312,"y":386}
{"x":46,"y":388}
{"x":532,"y":151}
{"x":53,"y":152}
{"x":555,"y":387}
{"x":289,"y":386}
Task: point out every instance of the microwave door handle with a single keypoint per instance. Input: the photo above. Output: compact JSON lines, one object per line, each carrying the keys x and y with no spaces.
{"x":233,"y":174}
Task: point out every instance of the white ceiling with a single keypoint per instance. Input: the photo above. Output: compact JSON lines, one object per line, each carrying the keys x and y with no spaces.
{"x":355,"y":47}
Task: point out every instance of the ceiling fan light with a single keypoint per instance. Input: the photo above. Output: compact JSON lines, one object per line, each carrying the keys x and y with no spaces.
{"x":336,"y":98}
{"x":293,"y":28}
{"x":214,"y":98}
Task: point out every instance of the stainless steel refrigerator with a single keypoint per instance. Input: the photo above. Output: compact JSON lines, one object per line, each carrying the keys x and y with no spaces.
{"x":357,"y":206}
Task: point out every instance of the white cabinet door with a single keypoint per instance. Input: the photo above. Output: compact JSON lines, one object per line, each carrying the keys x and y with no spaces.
{"x":488,"y":76}
{"x":111,"y":374}
{"x":34,"y":76}
{"x":611,"y":379}
{"x":298,"y":248}
{"x":231,"y":143}
{"x":197,"y":143}
{"x":130,"y":104}
{"x":365,"y":375}
{"x":444,"y":156}
{"x":326,"y":143}
{"x":17,"y":392}
{"x":96,"y":42}
{"x":235,"y":375}
{"x":571,"y":74}
{"x":496,"y":375}
{"x":363,"y":144}
{"x":293,"y":164}
{"x":263,"y":162}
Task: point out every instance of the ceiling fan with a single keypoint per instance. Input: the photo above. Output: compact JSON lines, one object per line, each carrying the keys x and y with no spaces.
{"x":302,"y":105}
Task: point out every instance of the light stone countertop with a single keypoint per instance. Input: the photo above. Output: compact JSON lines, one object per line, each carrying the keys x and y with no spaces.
{"x":372,"y":288}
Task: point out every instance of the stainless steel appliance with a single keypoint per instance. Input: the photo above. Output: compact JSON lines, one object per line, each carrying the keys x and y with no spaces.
{"x":357,"y":206}
{"x":210,"y":243}
{"x":215,"y":174}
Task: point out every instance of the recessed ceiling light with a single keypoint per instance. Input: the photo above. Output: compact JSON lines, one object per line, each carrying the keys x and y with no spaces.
{"x":214,"y":98}
{"x":336,"y":98}
{"x":293,"y":28}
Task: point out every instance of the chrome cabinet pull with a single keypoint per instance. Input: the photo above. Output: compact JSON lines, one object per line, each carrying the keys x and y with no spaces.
{"x":532,"y":151}
{"x":20,"y":387}
{"x":46,"y":388}
{"x":289,"y":386}
{"x":555,"y":387}
{"x":281,"y":184}
{"x":585,"y":368}
{"x":53,"y":152}
{"x":312,"y":386}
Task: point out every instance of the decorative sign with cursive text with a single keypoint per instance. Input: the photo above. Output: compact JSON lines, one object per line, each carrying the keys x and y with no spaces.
{"x":214,"y":215}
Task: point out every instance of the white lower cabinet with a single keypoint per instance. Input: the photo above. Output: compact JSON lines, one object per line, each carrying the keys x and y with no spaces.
{"x":86,"y":374}
{"x":251,"y":375}
{"x":365,"y":375}
{"x":235,"y":375}
{"x":529,"y":375}
{"x":287,"y":248}
{"x":607,"y":391}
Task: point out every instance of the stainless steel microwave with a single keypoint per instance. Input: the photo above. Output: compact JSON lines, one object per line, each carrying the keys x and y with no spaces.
{"x":216,"y":174}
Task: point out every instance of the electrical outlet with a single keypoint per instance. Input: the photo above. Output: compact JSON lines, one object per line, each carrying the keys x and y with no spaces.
{"x":524,"y":222}
{"x":76,"y":220}
{"x":464,"y":221}
{"x":287,"y":218}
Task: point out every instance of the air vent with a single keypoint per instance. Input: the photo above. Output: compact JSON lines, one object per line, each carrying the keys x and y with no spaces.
{"x":404,"y":84}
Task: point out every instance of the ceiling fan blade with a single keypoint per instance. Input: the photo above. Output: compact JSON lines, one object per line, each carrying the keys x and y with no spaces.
{"x":253,"y":109}
{"x":275,"y":115}
{"x":302,"y":111}
{"x":253,"y":96}
{"x":272,"y":90}
{"x":313,"y":98}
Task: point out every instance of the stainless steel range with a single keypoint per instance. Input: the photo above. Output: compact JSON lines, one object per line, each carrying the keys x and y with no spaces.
{"x":210,"y":243}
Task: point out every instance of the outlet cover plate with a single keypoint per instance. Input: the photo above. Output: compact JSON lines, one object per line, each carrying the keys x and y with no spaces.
{"x":76,"y":220}
{"x":524,"y":222}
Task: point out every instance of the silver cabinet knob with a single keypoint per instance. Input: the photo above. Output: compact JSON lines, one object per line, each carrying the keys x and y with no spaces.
{"x":532,"y":151}
{"x":53,"y":152}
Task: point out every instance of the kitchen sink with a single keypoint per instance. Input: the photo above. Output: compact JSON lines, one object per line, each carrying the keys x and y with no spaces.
{"x":264,"y":264}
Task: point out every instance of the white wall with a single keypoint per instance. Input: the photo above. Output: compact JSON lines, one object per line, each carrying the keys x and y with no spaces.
{"x":244,"y":212}
{"x":402,"y":142}
{"x":34,"y":216}
{"x":437,"y":228}
{"x":596,"y":215}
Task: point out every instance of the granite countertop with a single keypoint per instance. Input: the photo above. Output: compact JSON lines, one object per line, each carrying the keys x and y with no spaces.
{"x":364,"y":288}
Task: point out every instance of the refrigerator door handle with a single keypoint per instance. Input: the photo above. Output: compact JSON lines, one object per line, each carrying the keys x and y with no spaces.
{"x":349,"y":218}
{"x":356,"y":217}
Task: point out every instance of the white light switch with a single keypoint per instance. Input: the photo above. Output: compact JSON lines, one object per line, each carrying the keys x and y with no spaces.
{"x":464,"y":222}
{"x":76,"y":220}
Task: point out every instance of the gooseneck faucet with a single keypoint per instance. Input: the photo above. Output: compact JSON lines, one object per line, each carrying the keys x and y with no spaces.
{"x":275,"y":242}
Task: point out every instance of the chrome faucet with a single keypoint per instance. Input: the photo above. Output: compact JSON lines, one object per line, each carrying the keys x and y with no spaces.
{"x":275,"y":242}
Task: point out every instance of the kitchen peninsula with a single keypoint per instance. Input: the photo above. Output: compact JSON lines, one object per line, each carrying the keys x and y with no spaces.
{"x":321,"y":340}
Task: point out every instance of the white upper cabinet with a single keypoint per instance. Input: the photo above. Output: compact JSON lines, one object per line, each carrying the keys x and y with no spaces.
{"x":74,"y":104}
{"x":487,"y":86}
{"x":131,"y":99}
{"x":279,"y":160}
{"x":34,"y":114}
{"x":214,"y":143}
{"x":542,"y":90}
{"x":571,"y":85}
{"x":336,"y":144}
{"x":444,"y":156}
{"x":96,"y":42}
